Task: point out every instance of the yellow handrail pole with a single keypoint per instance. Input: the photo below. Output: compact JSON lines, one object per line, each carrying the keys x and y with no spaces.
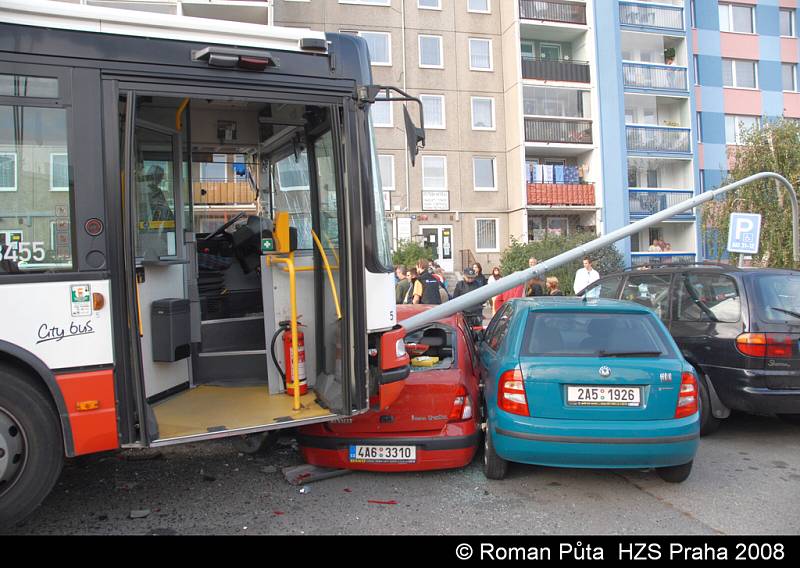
{"x":179,"y":112}
{"x":330,"y":274}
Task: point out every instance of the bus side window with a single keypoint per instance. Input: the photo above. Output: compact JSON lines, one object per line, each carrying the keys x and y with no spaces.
{"x":35,"y":180}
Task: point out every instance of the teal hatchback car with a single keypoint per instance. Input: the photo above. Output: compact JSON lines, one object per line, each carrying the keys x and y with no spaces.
{"x":586,"y":383}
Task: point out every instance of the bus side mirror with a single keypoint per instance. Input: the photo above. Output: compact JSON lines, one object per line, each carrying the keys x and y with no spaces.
{"x":415,"y":137}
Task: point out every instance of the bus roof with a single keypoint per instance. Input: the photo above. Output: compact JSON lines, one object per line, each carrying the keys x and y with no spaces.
{"x":61,"y":15}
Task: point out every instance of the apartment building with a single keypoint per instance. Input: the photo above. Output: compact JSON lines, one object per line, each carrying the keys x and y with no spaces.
{"x":555,"y":116}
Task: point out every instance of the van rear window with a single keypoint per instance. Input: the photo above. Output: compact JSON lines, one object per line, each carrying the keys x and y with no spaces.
{"x":574,"y":334}
{"x":778,"y":298}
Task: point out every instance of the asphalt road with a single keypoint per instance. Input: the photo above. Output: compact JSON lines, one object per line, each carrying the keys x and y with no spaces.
{"x":746,"y":480}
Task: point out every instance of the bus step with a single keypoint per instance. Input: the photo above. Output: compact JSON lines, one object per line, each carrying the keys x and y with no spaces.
{"x":231,"y":367}
{"x":235,"y":334}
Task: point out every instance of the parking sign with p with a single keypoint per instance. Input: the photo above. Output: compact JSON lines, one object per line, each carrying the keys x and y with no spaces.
{"x":744,"y":233}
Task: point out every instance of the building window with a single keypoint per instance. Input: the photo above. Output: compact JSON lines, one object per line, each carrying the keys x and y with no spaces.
{"x":787,"y":18}
{"x":59,"y":172}
{"x":736,"y":125}
{"x":386,"y":164}
{"x":215,"y":170}
{"x":381,"y":112}
{"x":699,"y":127}
{"x":368,"y":2}
{"x":379,"y":45}
{"x":483,"y":173}
{"x":482,"y":113}
{"x":696,"y":70}
{"x":433,"y":111}
{"x":434,"y":173}
{"x":789,"y":76}
{"x":736,"y":18}
{"x":480,"y":54}
{"x":479,"y":6}
{"x":8,"y":171}
{"x":429,"y":4}
{"x":740,"y":73}
{"x":430,"y":51}
{"x":486,"y":238}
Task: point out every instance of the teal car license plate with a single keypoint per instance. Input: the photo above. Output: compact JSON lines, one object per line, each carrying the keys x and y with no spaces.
{"x":582,"y":395}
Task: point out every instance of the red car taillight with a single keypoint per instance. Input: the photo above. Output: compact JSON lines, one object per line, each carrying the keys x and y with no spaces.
{"x":688,"y":396}
{"x":511,"y":393}
{"x":462,"y":406}
{"x":774,"y":345}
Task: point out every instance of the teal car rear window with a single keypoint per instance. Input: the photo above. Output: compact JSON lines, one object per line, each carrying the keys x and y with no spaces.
{"x":577,"y":334}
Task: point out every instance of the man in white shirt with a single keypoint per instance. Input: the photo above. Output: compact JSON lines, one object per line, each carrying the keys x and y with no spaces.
{"x":585,"y":276}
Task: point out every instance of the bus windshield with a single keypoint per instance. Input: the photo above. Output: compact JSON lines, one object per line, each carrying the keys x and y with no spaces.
{"x":383,"y":247}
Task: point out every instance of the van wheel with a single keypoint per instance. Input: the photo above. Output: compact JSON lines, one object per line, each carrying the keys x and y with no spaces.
{"x":676,"y":473}
{"x":261,"y":442}
{"x":31,"y":447}
{"x":494,"y":467}
{"x":708,"y":423}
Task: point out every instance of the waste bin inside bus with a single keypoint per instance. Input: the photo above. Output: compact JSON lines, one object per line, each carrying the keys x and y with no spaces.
{"x":170,"y":319}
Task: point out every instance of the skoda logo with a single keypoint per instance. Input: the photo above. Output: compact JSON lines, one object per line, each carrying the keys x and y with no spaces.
{"x":605,"y":371}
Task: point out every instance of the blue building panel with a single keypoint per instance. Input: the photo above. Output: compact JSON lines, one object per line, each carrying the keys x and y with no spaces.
{"x":767,"y":23}
{"x":769,"y":48}
{"x":709,"y":70}
{"x":706,"y":15}
{"x":713,"y":179}
{"x":772,"y":104}
{"x":769,"y":76}
{"x":708,"y":42}
{"x":712,"y":125}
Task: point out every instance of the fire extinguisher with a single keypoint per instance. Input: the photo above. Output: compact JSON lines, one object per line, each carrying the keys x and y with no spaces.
{"x":287,"y":377}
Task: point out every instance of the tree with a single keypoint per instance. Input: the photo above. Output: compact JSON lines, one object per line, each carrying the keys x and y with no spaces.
{"x":515,"y":257}
{"x":408,"y":253}
{"x":775,"y":146}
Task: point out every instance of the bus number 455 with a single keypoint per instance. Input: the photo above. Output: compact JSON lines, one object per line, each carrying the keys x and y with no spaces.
{"x":23,"y":252}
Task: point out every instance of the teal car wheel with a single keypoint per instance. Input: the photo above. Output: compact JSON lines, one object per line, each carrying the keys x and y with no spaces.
{"x":494,"y":467}
{"x":676,"y":473}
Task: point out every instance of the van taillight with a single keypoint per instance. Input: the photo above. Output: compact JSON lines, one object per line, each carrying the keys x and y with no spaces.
{"x":687,"y":397}
{"x":774,"y":345}
{"x":462,"y":406}
{"x":511,"y":393}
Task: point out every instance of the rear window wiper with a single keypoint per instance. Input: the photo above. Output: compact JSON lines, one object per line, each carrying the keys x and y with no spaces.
{"x":790,"y":312}
{"x":629,"y":353}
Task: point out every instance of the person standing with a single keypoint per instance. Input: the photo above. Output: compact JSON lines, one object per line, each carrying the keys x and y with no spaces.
{"x":473,"y":314}
{"x":403,"y":284}
{"x":479,"y":277}
{"x":494,"y":276}
{"x":585,"y":276}
{"x":534,"y":286}
{"x":411,"y":277}
{"x":552,"y":286}
{"x":426,"y":288}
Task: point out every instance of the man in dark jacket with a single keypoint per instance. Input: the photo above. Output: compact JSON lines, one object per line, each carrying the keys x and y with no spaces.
{"x":473,"y":314}
{"x":426,"y":289}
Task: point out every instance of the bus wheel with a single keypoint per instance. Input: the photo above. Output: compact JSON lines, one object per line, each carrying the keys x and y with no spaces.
{"x":31,"y":454}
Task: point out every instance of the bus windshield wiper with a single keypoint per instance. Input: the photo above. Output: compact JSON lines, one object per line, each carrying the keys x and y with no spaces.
{"x":790,"y":312}
{"x":629,"y":353}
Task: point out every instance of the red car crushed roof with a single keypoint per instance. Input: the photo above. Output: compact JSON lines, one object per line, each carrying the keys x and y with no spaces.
{"x":434,"y":424}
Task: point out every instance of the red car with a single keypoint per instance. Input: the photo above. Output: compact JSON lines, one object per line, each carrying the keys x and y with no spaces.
{"x":434,"y":424}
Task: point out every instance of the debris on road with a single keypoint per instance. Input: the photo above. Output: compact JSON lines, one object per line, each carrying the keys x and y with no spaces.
{"x":268,"y":469}
{"x":302,"y":474}
{"x":139,"y":513}
{"x":305,"y":490}
{"x":375,"y":502}
{"x":142,"y":455}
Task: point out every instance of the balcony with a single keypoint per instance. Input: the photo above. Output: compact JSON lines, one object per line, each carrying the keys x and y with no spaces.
{"x":555,"y":70}
{"x":557,"y":130}
{"x":572,"y":194}
{"x":646,"y":258}
{"x":553,"y":11}
{"x":658,"y":139}
{"x":642,"y":202}
{"x":651,"y":16}
{"x":651,"y":76}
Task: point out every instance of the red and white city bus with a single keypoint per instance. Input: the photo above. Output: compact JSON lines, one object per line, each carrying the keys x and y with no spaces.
{"x":173,"y":191}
